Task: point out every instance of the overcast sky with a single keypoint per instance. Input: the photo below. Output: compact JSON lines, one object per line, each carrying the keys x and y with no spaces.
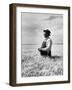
{"x":33,"y":24}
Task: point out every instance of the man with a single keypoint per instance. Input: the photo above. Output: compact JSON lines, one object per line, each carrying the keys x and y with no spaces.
{"x":45,"y":49}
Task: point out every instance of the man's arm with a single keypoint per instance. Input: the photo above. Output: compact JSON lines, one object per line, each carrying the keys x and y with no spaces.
{"x":47,"y":48}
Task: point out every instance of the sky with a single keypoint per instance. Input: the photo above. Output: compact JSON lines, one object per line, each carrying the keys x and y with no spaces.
{"x":33,"y":24}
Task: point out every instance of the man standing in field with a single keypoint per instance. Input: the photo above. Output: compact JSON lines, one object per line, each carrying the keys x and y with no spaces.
{"x":45,"y":49}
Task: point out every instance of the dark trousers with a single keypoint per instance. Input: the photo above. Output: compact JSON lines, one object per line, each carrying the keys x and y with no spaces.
{"x":44,"y":53}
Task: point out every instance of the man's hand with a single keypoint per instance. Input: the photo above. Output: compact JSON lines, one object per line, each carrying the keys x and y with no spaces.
{"x":39,"y":49}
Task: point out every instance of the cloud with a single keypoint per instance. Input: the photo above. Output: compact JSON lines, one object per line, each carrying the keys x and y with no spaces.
{"x":51,"y":17}
{"x":30,"y":27}
{"x":33,"y":25}
{"x":30,"y":23}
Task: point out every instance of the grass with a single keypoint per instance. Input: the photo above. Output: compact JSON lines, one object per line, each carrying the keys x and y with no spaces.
{"x":36,"y":65}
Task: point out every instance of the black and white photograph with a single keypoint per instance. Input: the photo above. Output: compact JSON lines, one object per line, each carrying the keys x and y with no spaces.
{"x":41,"y":44}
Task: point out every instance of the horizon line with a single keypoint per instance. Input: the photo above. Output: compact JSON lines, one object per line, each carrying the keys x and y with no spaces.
{"x":39,"y":44}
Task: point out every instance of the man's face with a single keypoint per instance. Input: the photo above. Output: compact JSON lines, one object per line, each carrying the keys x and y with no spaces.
{"x":46,"y":34}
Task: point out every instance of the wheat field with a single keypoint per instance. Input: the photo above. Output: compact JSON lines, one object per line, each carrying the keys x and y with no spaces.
{"x":35,"y":65}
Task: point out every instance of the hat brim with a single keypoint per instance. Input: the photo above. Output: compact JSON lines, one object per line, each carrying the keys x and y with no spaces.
{"x":46,"y":31}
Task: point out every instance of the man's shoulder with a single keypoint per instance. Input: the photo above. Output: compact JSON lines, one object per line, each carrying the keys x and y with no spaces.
{"x":49,"y":40}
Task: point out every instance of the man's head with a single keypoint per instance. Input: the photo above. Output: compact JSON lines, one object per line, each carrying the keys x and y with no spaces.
{"x":47,"y":33}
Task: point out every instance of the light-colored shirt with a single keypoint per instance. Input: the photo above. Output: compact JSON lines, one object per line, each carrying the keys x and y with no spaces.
{"x":48,"y":44}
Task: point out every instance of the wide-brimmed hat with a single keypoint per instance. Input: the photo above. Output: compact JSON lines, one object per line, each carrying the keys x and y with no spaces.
{"x":47,"y":31}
